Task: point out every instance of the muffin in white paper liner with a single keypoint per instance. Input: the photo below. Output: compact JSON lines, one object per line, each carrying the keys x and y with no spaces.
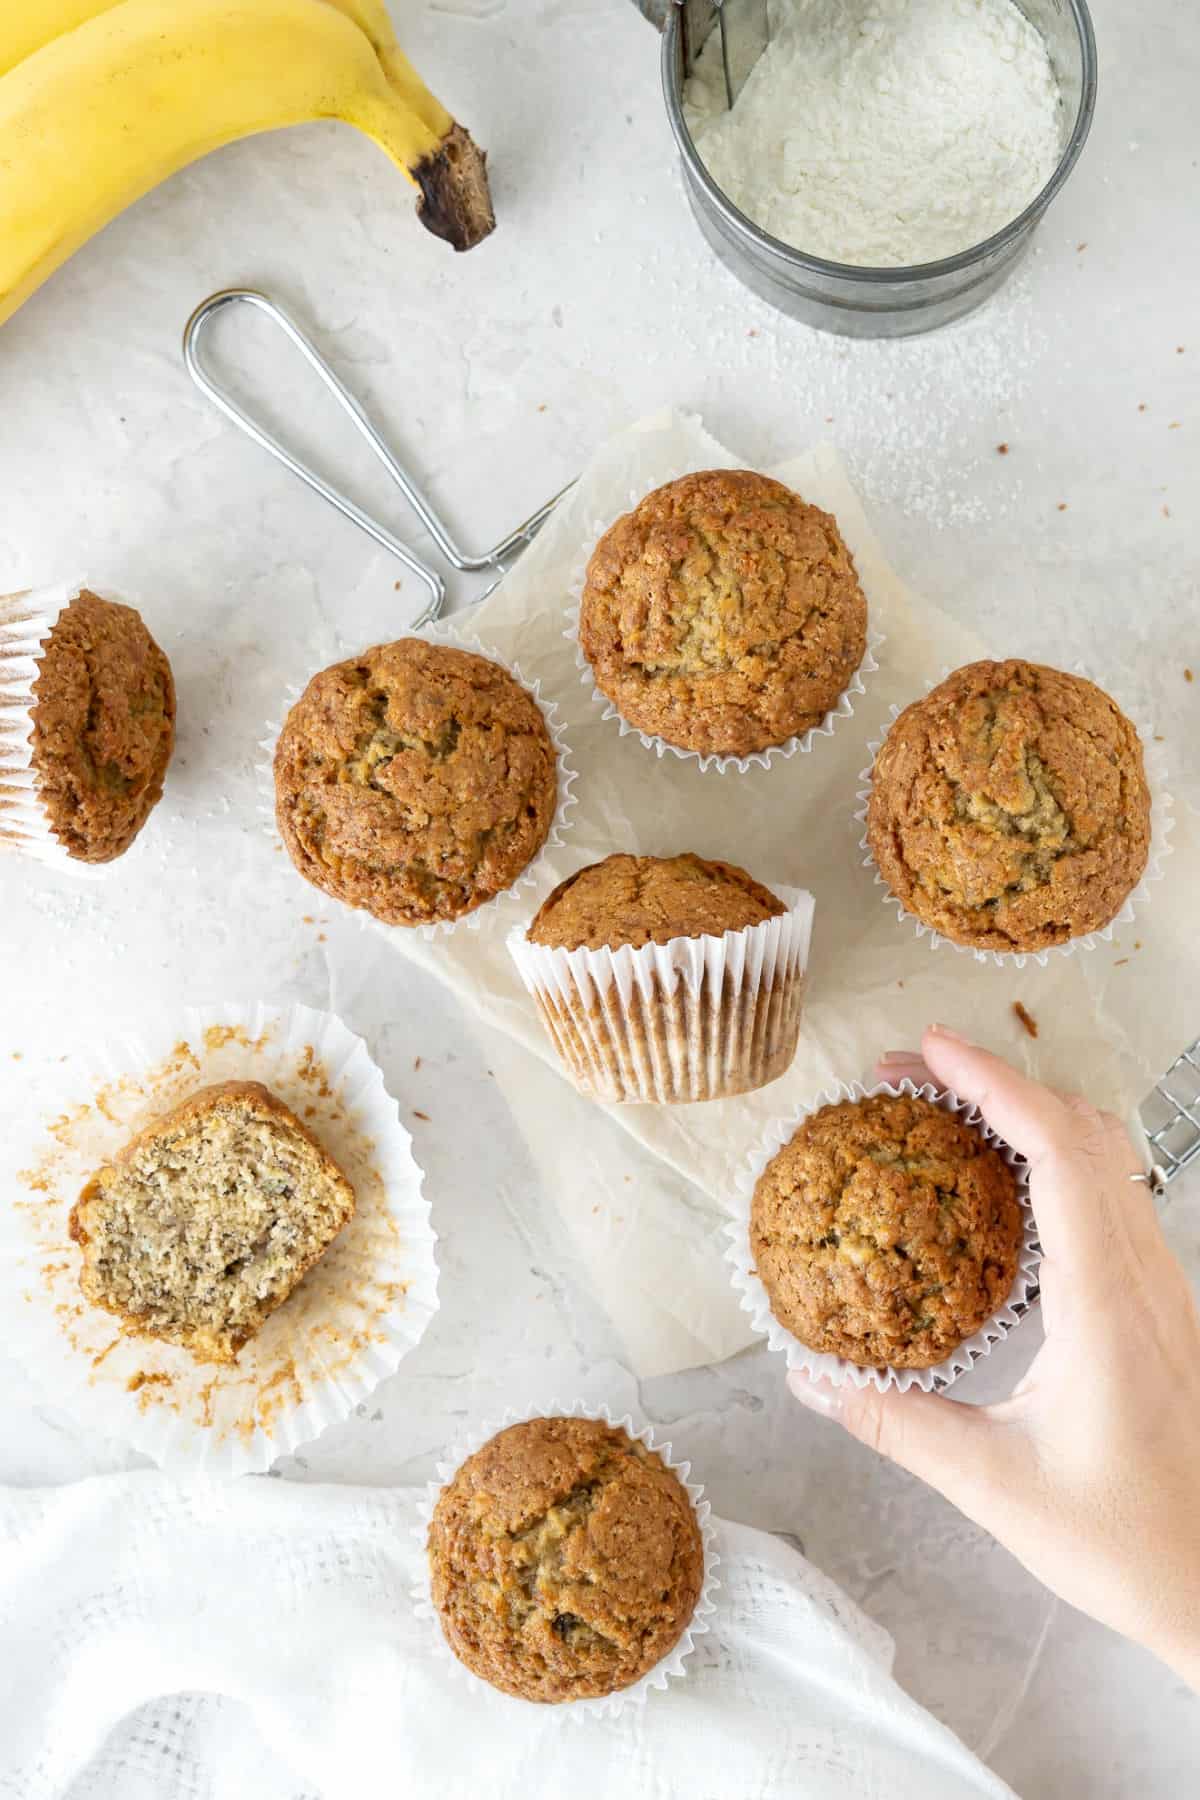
{"x":559,"y":825}
{"x":696,"y":1018}
{"x":26,"y":622}
{"x":1162,"y":821}
{"x":762,"y":759}
{"x":838,"y":1370}
{"x":672,"y":1665}
{"x":343,"y":1330}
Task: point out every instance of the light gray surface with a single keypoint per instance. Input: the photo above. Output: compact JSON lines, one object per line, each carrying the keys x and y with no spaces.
{"x":596,"y":302}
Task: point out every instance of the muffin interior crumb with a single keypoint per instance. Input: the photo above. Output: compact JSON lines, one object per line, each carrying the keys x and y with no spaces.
{"x":209,"y":1219}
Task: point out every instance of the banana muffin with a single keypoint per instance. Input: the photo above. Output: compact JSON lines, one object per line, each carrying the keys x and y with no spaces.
{"x":566,"y":1560}
{"x":1009,"y":808}
{"x":886,"y":1231}
{"x":661,"y":1012}
{"x":209,"y":1219}
{"x":416,"y":781}
{"x":723,"y":614}
{"x":103,"y":727}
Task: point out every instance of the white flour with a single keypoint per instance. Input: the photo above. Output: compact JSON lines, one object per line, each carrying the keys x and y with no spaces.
{"x":884,"y":132}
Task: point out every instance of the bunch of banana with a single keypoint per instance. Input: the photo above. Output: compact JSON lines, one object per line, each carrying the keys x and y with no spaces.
{"x":102,"y":99}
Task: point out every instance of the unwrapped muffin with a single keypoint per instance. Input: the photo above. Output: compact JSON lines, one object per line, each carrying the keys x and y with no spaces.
{"x":723,"y":614}
{"x":667,"y":979}
{"x":1009,"y":809}
{"x":886,"y":1231}
{"x":95,"y":732}
{"x":417,"y":781}
{"x":209,"y":1219}
{"x":566,"y":1560}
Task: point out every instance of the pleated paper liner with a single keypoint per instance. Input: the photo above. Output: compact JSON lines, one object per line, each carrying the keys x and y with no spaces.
{"x":838,"y":1369}
{"x":484,"y":915}
{"x":26,"y":622}
{"x":1162,"y":822}
{"x":696,"y":1018}
{"x":346,"y":1327}
{"x":762,"y":759}
{"x":672,"y":1666}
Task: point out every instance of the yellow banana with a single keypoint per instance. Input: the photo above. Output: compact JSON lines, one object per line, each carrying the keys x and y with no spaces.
{"x":25,"y":25}
{"x":116,"y":103}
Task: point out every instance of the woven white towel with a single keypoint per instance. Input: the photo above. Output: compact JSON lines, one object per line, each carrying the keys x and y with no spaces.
{"x":129,"y":1603}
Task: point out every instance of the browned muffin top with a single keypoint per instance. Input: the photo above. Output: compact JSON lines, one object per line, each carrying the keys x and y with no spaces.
{"x":649,"y":900}
{"x":1009,"y":808}
{"x":886,"y":1231}
{"x":723,"y":613}
{"x":415,"y":780}
{"x":103,"y":727}
{"x":566,"y":1560}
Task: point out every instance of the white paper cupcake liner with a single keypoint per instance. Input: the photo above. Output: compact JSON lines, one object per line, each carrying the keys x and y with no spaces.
{"x":690,"y":1020}
{"x":671,"y":1666}
{"x":837,"y":1369}
{"x":561,"y":823}
{"x":26,"y":621}
{"x":760,"y":759}
{"x":1162,"y":821}
{"x":347,"y":1326}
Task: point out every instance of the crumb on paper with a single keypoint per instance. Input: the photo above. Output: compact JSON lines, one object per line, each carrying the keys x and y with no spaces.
{"x":1026,"y":1017}
{"x":1175,"y":425}
{"x":1188,"y":676}
{"x":416,"y":1062}
{"x":1120,"y":962}
{"x":309,"y":1070}
{"x":1166,"y":510}
{"x":1141,"y":406}
{"x":396,"y":586}
{"x":1179,"y":349}
{"x":542,"y":407}
{"x":1079,"y":248}
{"x":144,"y":1378}
{"x":308,"y":919}
{"x":1001,"y":449}
{"x":219,"y":1037}
{"x":321,"y":939}
{"x":1137,"y":943}
{"x":753,"y":331}
{"x":18,"y":1055}
{"x":1062,"y":506}
{"x":417,"y":1114}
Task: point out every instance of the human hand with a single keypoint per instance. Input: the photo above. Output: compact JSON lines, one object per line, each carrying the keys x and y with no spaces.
{"x":1090,"y":1473}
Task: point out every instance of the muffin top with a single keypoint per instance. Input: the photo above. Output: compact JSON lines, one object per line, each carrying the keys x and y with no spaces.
{"x":886,"y":1231}
{"x":416,"y":781}
{"x":566,"y":1560}
{"x":640,"y":900}
{"x":103,"y":727}
{"x":723,"y":614}
{"x":1009,"y":808}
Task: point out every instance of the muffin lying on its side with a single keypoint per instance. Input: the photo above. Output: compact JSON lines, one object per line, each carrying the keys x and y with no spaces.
{"x":103,"y":727}
{"x":1009,"y":808}
{"x":723,"y":614}
{"x":886,"y":1231}
{"x":208,"y":1220}
{"x":566,"y":1560}
{"x":667,"y":978}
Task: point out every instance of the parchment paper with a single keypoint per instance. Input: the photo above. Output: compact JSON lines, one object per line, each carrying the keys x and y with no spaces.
{"x":643,"y":1190}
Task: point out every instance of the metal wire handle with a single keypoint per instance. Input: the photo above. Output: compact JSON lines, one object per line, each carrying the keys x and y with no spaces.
{"x":498,"y":558}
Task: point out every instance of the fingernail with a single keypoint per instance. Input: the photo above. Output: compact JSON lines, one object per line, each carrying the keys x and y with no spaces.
{"x":944,"y":1031}
{"x":818,"y":1396}
{"x":899,"y":1056}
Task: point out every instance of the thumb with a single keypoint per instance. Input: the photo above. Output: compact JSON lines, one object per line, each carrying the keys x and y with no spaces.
{"x":966,"y":1452}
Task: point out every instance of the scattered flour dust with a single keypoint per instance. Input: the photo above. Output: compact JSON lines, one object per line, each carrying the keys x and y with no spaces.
{"x":884,"y":132}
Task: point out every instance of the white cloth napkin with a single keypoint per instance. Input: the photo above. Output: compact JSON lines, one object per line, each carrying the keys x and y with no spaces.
{"x":129,"y":1603}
